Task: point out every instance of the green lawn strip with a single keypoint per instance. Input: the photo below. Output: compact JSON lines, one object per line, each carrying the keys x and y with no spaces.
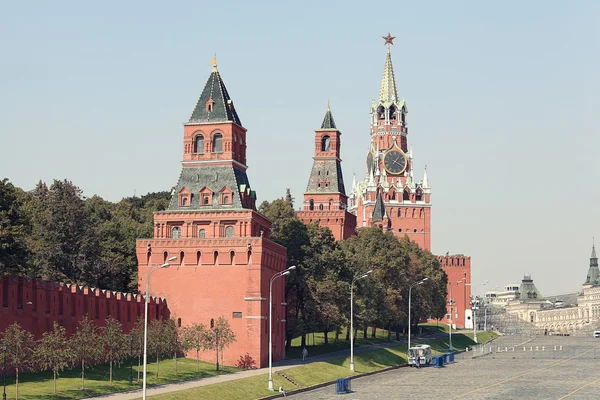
{"x":305,"y":375}
{"x":38,"y":385}
{"x":315,"y":342}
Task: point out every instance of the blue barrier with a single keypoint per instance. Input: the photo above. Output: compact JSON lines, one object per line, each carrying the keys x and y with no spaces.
{"x":438,"y":361}
{"x":451,"y":357}
{"x":446,"y":358}
{"x":342,"y":385}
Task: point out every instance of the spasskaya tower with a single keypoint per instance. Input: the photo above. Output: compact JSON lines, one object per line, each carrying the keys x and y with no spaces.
{"x":390,"y":196}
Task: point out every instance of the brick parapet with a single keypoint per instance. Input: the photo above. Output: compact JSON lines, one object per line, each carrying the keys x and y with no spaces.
{"x":36,"y":304}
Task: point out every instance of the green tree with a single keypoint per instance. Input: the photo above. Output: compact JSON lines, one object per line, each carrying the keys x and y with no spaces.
{"x":157,"y":343}
{"x":14,"y":223}
{"x":196,"y":337}
{"x":172,"y":339}
{"x":115,"y":344}
{"x":19,"y":352}
{"x":85,"y":345}
{"x":137,"y":332}
{"x":53,"y":352}
{"x":226,"y":335}
{"x":290,"y":232}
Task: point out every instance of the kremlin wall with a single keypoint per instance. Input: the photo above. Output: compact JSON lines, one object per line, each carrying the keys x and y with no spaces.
{"x":36,"y":304}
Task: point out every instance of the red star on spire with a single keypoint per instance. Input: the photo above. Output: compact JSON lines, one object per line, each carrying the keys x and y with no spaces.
{"x":389,"y":39}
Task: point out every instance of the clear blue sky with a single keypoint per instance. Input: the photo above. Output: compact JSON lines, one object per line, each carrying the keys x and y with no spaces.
{"x":502,"y":99}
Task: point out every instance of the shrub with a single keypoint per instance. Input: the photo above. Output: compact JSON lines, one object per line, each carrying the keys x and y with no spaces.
{"x":246,"y":362}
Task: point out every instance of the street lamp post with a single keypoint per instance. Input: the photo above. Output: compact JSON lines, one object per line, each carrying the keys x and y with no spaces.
{"x":4,"y":347}
{"x":277,"y":275}
{"x":217,"y":345}
{"x":356,"y":278}
{"x":147,"y":298}
{"x":409,"y":296}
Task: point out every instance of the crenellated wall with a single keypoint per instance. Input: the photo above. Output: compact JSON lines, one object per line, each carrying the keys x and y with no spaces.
{"x":36,"y":304}
{"x":458,"y":267}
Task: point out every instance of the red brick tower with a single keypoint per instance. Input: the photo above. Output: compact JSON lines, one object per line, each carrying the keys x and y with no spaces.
{"x":325,"y":198}
{"x":224,"y":256}
{"x":405,"y":203}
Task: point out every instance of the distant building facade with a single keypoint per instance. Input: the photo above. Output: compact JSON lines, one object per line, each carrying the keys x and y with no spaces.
{"x":561,"y":315}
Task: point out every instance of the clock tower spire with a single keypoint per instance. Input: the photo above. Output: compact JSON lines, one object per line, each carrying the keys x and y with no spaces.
{"x":391,"y":184}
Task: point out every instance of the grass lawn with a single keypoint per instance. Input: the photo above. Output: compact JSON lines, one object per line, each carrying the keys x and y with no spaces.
{"x":39,"y":385}
{"x":315,"y":342}
{"x":320,"y":372}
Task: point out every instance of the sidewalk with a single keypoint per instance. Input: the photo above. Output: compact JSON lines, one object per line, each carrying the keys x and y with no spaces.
{"x":278,"y":366}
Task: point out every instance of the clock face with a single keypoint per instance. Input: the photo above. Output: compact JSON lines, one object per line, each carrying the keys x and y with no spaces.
{"x":394,"y":162}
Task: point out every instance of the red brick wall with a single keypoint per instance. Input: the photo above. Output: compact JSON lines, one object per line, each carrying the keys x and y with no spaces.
{"x":36,"y":304}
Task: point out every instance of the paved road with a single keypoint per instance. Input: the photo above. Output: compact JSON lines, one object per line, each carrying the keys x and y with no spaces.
{"x":572,"y":373}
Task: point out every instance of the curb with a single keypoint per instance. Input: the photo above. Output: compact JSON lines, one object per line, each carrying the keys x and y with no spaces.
{"x":320,"y":385}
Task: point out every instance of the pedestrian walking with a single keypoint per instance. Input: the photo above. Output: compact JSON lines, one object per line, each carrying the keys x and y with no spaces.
{"x":418,"y":362}
{"x":304,"y":353}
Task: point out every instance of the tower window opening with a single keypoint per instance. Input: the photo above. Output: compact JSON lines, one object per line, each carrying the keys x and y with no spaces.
{"x":419,"y":195}
{"x":311,"y":204}
{"x":229,"y":231}
{"x":325,"y":143}
{"x":202,"y":233}
{"x":225,"y":199}
{"x":184,"y":201}
{"x":392,"y":113}
{"x":320,"y":206}
{"x":400,"y":214}
{"x":381,"y":113}
{"x":217,"y":143}
{"x":176,"y":232}
{"x":199,"y":144}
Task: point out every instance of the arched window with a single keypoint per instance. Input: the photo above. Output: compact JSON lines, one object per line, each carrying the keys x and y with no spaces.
{"x":320,"y":206}
{"x":330,"y":204}
{"x":199,"y":144}
{"x":231,"y":257}
{"x":311,"y":204}
{"x":165,"y":256}
{"x":419,"y":195}
{"x":176,"y":232}
{"x":179,"y":322}
{"x":202,"y":233}
{"x":225,"y":199}
{"x":392,"y":113}
{"x":229,"y":231}
{"x":406,"y":195}
{"x":184,"y":201}
{"x":216,"y":258}
{"x":217,"y":143}
{"x":198,"y":255}
{"x":181,"y":257}
{"x":399,"y":213}
{"x":325,"y":143}
{"x":381,"y":112}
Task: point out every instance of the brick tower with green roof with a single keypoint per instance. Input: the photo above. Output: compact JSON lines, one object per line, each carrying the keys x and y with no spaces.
{"x":224,"y":258}
{"x":325,"y":199}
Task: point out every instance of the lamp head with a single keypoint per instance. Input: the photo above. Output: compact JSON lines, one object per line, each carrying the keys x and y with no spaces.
{"x":165,"y":265}
{"x":286,"y":272}
{"x":172,"y":258}
{"x":291,"y":268}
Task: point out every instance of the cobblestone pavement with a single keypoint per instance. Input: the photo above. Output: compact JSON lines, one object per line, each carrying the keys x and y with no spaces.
{"x":533,"y":370}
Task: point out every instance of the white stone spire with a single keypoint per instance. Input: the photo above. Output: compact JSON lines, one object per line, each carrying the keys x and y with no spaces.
{"x":425,"y":180}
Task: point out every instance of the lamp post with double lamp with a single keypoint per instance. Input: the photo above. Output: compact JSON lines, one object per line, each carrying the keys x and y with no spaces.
{"x":277,"y":275}
{"x":146,"y":300}
{"x":356,"y":278}
{"x":409,"y":296}
{"x":4,"y":347}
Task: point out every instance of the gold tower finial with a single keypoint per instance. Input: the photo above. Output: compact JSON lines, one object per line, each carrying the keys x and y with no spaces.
{"x":213,"y":62}
{"x":328,"y":108}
